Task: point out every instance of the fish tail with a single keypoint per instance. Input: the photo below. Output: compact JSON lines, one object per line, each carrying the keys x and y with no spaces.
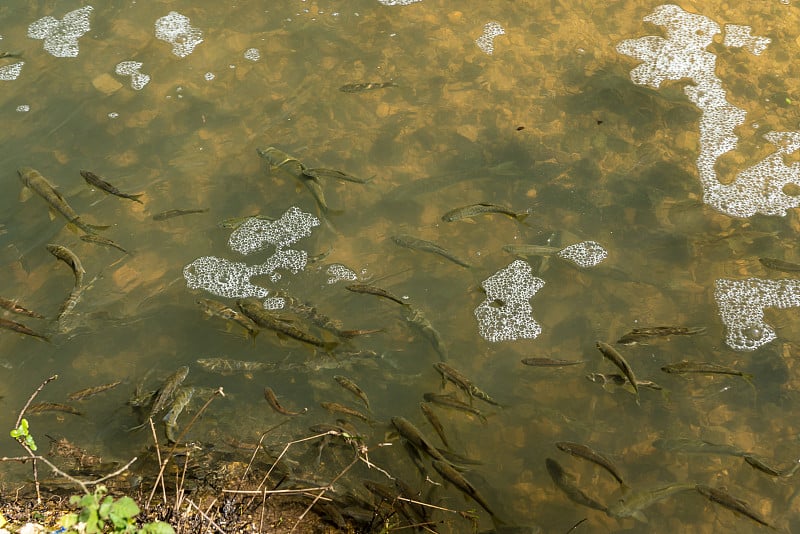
{"x":520,"y":217}
{"x":135,"y":198}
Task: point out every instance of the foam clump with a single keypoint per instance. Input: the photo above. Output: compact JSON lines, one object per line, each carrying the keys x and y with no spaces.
{"x":741,"y":305}
{"x":11,"y":72}
{"x":738,"y":36}
{"x":223,"y":277}
{"x":176,"y":30}
{"x":231,"y":279}
{"x":486,"y":41}
{"x":506,"y":314}
{"x":131,"y":68}
{"x":61,"y":36}
{"x":252,"y":54}
{"x":255,"y":234}
{"x":683,"y":56}
{"x":584,"y":254}
{"x":339,"y":273}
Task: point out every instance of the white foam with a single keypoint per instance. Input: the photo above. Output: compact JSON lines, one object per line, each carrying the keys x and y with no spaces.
{"x":398,"y":2}
{"x":584,"y":254}
{"x":339,"y":273}
{"x":11,"y":72}
{"x":486,"y":41}
{"x":252,"y":54}
{"x":506,"y":314}
{"x":131,"y":68}
{"x":176,"y":30}
{"x":741,"y":305}
{"x":737,"y":36}
{"x":683,"y":55}
{"x":61,"y":36}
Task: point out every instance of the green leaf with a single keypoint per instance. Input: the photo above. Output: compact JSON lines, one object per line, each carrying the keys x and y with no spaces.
{"x":23,"y":426}
{"x":93,"y":523}
{"x":159,"y":527}
{"x":30,"y":443}
{"x":125,"y":507}
{"x":105,"y":506}
{"x":69,"y":520}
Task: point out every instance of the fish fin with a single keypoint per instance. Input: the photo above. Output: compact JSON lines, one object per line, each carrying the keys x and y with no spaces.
{"x":97,"y":226}
{"x":52,"y":214}
{"x":25,"y":193}
{"x":520,"y":217}
{"x":135,"y":198}
{"x":638,"y":515}
{"x":328,"y":346}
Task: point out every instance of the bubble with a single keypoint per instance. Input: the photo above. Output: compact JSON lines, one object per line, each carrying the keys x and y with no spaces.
{"x":61,"y":36}
{"x":486,"y":41}
{"x":11,"y":72}
{"x":23,"y":108}
{"x":741,"y":305}
{"x":230,"y":279}
{"x":274,"y":303}
{"x":340,"y":273}
{"x":506,"y":314}
{"x":584,"y":254}
{"x":737,"y":36}
{"x":131,"y":68}
{"x":683,"y":55}
{"x":253,"y":54}
{"x":209,"y":76}
{"x":113,"y":115}
{"x":176,"y":30}
{"x":256,"y":234}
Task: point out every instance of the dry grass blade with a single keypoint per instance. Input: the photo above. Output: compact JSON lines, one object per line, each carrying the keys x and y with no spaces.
{"x":205,"y":516}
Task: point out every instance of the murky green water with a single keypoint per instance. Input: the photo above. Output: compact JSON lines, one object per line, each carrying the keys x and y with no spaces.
{"x":550,"y":123}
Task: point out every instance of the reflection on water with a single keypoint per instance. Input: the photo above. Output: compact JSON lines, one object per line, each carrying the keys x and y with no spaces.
{"x":550,"y":123}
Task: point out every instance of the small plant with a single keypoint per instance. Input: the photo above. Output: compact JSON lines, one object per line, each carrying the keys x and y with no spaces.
{"x":22,"y":435}
{"x":102,"y":513}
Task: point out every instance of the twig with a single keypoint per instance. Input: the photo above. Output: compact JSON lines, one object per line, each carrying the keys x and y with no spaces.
{"x":160,"y":477}
{"x":255,"y":451}
{"x":160,"y":465}
{"x":211,"y":521}
{"x":33,"y":396}
{"x":318,"y":497}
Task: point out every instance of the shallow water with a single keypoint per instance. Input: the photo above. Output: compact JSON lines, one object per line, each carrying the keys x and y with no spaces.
{"x":550,"y":123}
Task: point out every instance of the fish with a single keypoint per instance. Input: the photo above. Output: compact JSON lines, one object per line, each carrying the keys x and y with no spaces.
{"x":236,"y":222}
{"x":353,"y":388}
{"x":458,"y":378}
{"x":94,"y":180}
{"x":450,"y":474}
{"x":227,"y":367}
{"x":587,"y":453}
{"x":389,"y":495}
{"x":703,"y":368}
{"x":276,"y":157}
{"x":531,"y":250}
{"x":67,"y":256}
{"x":481,"y":208}
{"x":8,"y":324}
{"x":407,"y":241}
{"x":617,"y":379}
{"x":452,"y":402}
{"x":690,"y":445}
{"x":100,"y":240}
{"x":41,"y":407}
{"x":307,"y":311}
{"x":779,"y":265}
{"x":14,"y":307}
{"x":762,"y":465}
{"x":374,"y":290}
{"x":433,"y":419}
{"x":32,"y":180}
{"x":165,"y":393}
{"x":214,"y":308}
{"x":416,"y":318}
{"x":416,"y":438}
{"x":317,"y":173}
{"x":366,"y":86}
{"x":637,"y":335}
{"x":732,"y":503}
{"x":255,"y":310}
{"x":566,"y":483}
{"x":272,"y":399}
{"x":335,"y":407}
{"x":611,"y":354}
{"x":314,"y":187}
{"x":549,"y":362}
{"x":69,"y":303}
{"x":632,"y":504}
{"x":182,"y":398}
{"x":169,"y":214}
{"x":6,"y":54}
{"x":89,"y":392}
